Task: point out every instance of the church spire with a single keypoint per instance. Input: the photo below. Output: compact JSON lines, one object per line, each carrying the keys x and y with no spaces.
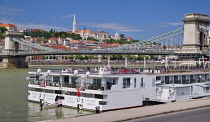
{"x":74,"y":24}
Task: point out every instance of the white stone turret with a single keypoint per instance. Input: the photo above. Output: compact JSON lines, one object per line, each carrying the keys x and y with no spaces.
{"x":74,"y":25}
{"x":116,"y":35}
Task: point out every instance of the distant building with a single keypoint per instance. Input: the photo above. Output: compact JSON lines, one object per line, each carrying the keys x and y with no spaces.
{"x":34,"y":30}
{"x":128,"y":38}
{"x":29,"y":30}
{"x":83,"y":33}
{"x":8,"y":26}
{"x":116,"y":36}
{"x":100,"y":35}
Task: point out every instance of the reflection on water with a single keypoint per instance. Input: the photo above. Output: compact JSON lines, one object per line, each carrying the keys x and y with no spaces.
{"x":14,"y":105}
{"x":36,"y":113}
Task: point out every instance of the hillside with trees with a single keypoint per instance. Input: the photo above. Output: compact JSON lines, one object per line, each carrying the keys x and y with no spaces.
{"x":53,"y":33}
{"x":2,"y":32}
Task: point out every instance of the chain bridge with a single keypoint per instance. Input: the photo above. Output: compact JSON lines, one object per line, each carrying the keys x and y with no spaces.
{"x":189,"y":42}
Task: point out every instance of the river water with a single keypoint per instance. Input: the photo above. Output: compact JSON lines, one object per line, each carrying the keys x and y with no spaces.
{"x":14,"y":105}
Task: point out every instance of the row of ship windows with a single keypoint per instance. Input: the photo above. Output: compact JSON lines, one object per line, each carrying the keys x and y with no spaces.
{"x":109,"y":81}
{"x":97,"y":96}
{"x":127,"y":83}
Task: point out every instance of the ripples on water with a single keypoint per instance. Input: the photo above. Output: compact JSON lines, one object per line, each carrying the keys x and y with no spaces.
{"x":14,"y":105}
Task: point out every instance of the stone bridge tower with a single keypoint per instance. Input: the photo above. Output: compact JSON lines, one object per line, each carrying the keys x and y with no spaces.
{"x":195,"y":38}
{"x":12,"y":46}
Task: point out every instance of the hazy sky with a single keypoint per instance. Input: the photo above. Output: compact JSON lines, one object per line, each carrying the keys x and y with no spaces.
{"x":140,"y":19}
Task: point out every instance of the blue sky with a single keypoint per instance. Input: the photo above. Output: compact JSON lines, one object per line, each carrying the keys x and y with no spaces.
{"x":140,"y":19}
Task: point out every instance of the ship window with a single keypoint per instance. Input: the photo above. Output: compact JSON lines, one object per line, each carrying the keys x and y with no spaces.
{"x":98,"y":96}
{"x":73,"y":82}
{"x":158,"y":78}
{"x":39,"y":90}
{"x":142,"y":82}
{"x":96,"y":84}
{"x":167,"y":79}
{"x":176,"y":80}
{"x":102,"y":102}
{"x":58,"y":92}
{"x":73,"y":93}
{"x":134,"y":82}
{"x":66,"y":79}
{"x":49,"y":91}
{"x":56,"y":79}
{"x":110,"y":82}
{"x":31,"y":89}
{"x":126,"y":82}
{"x":183,"y":79}
{"x":87,"y":95}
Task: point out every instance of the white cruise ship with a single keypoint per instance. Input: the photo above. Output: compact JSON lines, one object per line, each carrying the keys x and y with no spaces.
{"x":114,"y":88}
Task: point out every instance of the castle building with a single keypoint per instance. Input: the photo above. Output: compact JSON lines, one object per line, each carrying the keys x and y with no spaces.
{"x":8,"y":26}
{"x":100,"y":35}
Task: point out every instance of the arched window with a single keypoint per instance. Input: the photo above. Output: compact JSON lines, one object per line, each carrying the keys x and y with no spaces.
{"x":202,"y":37}
{"x":16,"y":47}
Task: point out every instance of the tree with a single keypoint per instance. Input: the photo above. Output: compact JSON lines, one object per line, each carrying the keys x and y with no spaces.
{"x":141,"y":57}
{"x":2,"y":32}
{"x":90,"y":56}
{"x":104,"y":57}
{"x":70,"y":57}
{"x":154,"y":43}
{"x":116,"y":57}
{"x":133,"y":57}
{"x":164,"y":47}
{"x":51,"y":31}
{"x":78,"y":56}
{"x":122,"y":36}
{"x":86,"y":57}
{"x":3,"y":29}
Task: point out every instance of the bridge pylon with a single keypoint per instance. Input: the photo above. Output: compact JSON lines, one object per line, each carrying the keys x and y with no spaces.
{"x":11,"y":46}
{"x":195,"y":38}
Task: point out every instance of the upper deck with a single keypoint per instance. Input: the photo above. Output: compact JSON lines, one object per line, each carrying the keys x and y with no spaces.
{"x":108,"y":78}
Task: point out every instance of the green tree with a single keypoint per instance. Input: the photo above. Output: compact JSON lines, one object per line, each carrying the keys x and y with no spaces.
{"x":78,"y":56}
{"x":133,"y":57}
{"x":90,"y":56}
{"x":51,"y":31}
{"x":116,"y":57}
{"x":141,"y":57}
{"x":3,"y":29}
{"x":104,"y":57}
{"x":2,"y":32}
{"x":86,"y":57}
{"x":70,"y":57}
{"x":122,"y":36}
{"x":164,"y":47}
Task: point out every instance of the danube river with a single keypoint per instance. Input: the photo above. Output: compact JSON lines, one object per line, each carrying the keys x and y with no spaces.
{"x":14,"y":105}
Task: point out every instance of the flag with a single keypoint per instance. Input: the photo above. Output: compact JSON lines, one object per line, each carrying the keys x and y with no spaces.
{"x":78,"y":92}
{"x":205,"y":63}
{"x":43,"y":84}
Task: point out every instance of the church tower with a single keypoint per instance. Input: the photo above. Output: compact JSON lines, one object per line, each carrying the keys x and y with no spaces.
{"x":74,"y":25}
{"x":116,"y":35}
